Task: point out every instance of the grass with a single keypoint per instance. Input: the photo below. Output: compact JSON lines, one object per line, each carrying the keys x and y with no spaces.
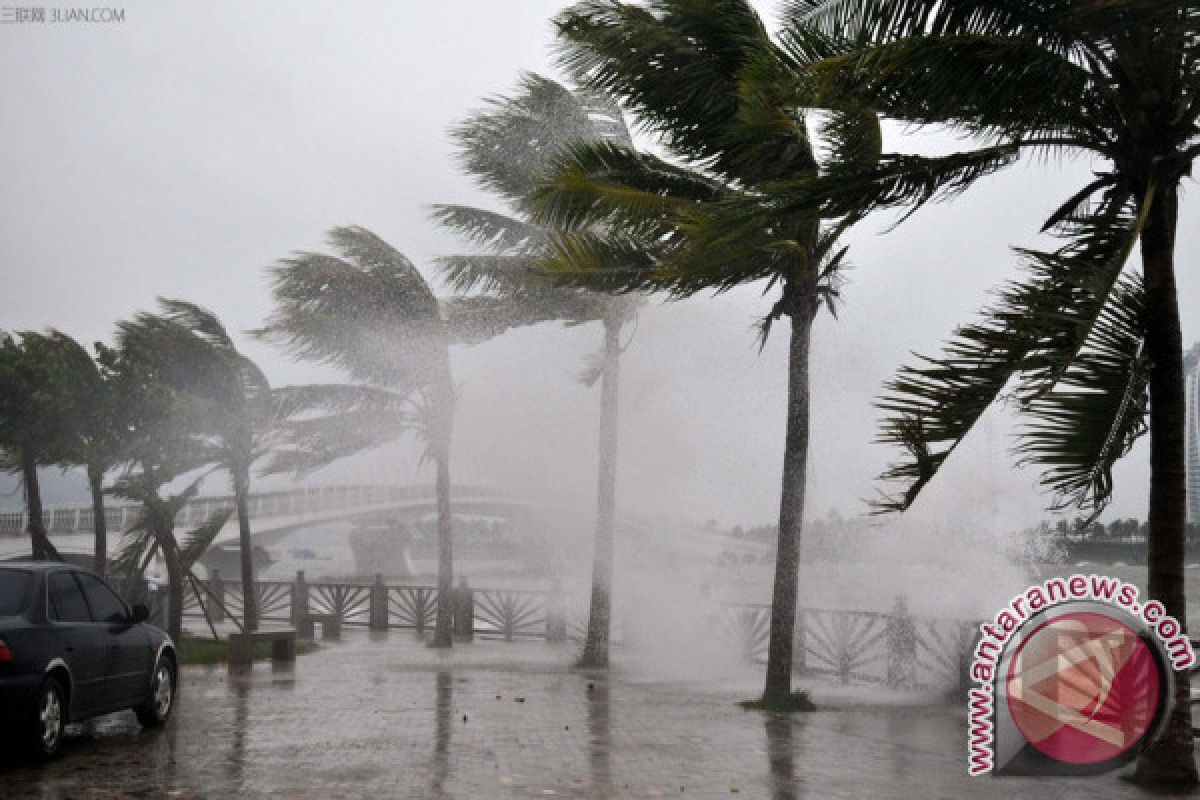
{"x":198,"y":651}
{"x":795,"y":702}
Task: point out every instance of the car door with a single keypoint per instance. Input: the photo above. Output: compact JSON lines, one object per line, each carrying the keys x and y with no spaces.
{"x":83,"y":645}
{"x":128,"y":671}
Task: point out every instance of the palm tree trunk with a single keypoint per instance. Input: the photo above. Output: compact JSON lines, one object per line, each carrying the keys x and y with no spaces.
{"x":241,"y":483}
{"x":1171,"y":760}
{"x":791,"y":513}
{"x":443,"y":627}
{"x":39,"y":541}
{"x":170,"y":553}
{"x":99,"y":523}
{"x":595,"y":649}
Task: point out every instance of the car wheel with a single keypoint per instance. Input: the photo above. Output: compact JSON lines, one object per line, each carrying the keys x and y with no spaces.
{"x":156,"y":710}
{"x":49,"y":719}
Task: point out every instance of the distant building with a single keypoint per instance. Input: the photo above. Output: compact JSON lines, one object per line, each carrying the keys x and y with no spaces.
{"x":1191,"y":366}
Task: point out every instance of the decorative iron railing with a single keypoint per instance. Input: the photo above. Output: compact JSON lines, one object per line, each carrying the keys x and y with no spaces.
{"x":894,"y":648}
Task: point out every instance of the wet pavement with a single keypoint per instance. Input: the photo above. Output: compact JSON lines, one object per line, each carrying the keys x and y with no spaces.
{"x":389,"y":718}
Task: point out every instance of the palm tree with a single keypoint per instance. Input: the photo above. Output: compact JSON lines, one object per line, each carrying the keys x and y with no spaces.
{"x":96,"y":436}
{"x":508,"y":149}
{"x":39,"y":403}
{"x":1088,"y":343}
{"x":195,"y":356}
{"x":168,"y":439}
{"x":680,"y":67}
{"x":369,"y":313}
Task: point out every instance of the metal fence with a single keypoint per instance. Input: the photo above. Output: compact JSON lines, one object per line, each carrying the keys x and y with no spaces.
{"x":893,"y":648}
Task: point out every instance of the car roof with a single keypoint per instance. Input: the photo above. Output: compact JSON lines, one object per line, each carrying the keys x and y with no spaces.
{"x":40,"y":566}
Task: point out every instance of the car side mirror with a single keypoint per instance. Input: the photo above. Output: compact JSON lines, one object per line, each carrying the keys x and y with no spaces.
{"x":140,"y":613}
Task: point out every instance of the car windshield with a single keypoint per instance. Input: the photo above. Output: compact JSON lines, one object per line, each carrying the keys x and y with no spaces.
{"x":14,"y":586}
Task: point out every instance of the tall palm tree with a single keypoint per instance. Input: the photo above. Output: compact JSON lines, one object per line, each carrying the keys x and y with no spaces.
{"x":39,"y":404}
{"x":168,"y":439}
{"x":369,"y":313}
{"x":96,"y":436}
{"x":1089,"y":343}
{"x":195,"y":356}
{"x":679,"y":66}
{"x":508,"y":148}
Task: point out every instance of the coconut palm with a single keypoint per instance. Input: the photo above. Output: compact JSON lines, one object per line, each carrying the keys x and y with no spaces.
{"x":1088,"y":343}
{"x":369,"y":313}
{"x":508,"y":148}
{"x":679,"y":66}
{"x":168,"y":439}
{"x":39,"y":405}
{"x":195,"y":356}
{"x":96,"y":435}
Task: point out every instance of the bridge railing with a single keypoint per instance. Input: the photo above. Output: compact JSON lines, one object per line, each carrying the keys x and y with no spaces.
{"x":262,"y":505}
{"x":891,"y":648}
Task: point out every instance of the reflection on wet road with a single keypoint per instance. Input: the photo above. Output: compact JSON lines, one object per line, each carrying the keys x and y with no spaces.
{"x":391,"y":718}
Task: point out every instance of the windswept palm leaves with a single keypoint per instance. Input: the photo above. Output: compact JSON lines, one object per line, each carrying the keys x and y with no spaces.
{"x":40,"y":403}
{"x":227,"y":392}
{"x":1085,"y":344}
{"x":715,"y":222}
{"x":368,"y":312}
{"x":168,"y":438}
{"x":508,"y":148}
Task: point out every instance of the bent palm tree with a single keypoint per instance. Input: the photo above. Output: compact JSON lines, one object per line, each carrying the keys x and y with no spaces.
{"x":679,"y":66}
{"x":39,"y":405}
{"x":167,"y":439}
{"x":369,"y":313}
{"x":231,"y":398}
{"x":508,"y":149}
{"x":1088,"y":344}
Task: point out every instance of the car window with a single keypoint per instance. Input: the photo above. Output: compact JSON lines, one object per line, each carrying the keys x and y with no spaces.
{"x":106,"y":606}
{"x":14,"y":588}
{"x":66,"y":599}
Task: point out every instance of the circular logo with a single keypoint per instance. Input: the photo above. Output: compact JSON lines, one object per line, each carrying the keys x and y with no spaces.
{"x":1084,"y":688}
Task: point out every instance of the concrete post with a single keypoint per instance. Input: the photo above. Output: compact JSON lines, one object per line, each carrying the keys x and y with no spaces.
{"x":800,"y":643}
{"x":900,"y":637}
{"x":299,"y":601}
{"x":379,"y":605}
{"x":556,"y":614}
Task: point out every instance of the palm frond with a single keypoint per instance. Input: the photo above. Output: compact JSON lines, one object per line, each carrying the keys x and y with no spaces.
{"x":1097,"y":410}
{"x":1034,"y":335}
{"x":199,"y":540}
{"x":491,"y":230}
{"x":368,"y":312}
{"x":684,"y":81}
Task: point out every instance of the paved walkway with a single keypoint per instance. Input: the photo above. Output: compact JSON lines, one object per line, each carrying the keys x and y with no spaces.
{"x":392,"y":719}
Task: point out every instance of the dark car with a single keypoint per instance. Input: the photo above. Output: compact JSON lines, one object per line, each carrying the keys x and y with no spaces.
{"x":71,"y":649}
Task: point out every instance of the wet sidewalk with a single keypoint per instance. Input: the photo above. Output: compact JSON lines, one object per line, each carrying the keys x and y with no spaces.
{"x":392,"y":719}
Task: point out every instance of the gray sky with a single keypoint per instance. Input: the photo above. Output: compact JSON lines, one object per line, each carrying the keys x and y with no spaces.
{"x":182,"y":151}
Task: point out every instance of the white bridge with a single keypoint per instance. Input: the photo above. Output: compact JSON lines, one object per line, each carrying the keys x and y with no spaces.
{"x":275,"y":515}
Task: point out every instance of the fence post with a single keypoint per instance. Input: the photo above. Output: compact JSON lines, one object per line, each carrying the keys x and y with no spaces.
{"x":379,"y":605}
{"x":968,"y":638}
{"x":900,"y":637}
{"x":216,"y":598}
{"x":464,"y":612}
{"x":299,"y":601}
{"x":800,"y":642}
{"x":556,"y":614}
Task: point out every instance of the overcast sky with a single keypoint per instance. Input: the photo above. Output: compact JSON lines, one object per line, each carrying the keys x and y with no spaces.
{"x":182,"y":151}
